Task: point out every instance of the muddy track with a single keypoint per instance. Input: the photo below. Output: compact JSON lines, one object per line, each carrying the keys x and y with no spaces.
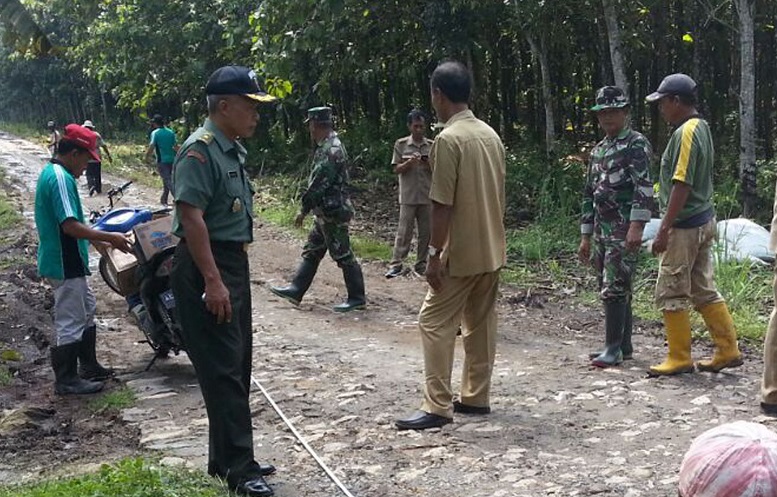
{"x":558,"y":427}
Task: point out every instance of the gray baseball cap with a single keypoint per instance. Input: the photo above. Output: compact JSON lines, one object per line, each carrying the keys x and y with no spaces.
{"x":674,"y":84}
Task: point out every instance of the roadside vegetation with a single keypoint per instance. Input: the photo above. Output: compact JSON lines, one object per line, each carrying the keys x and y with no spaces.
{"x":135,"y":477}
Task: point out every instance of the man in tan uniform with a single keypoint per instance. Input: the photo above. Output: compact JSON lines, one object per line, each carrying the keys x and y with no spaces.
{"x":411,"y":164}
{"x":466,"y":253}
{"x":769,"y":382}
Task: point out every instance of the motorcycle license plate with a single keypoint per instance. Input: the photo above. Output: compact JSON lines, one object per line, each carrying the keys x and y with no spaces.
{"x":168,"y":299}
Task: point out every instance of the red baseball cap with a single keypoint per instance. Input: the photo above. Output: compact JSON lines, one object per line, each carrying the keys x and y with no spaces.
{"x":82,"y":137}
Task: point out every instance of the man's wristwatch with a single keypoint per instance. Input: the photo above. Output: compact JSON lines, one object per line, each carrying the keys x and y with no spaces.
{"x":434,"y":251}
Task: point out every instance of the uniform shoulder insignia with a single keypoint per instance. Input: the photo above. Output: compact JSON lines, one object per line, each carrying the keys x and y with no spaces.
{"x":196,"y":155}
{"x":205,"y":138}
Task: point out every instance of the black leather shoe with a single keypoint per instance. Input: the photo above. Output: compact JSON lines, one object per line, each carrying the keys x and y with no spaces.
{"x":465,"y":409}
{"x":422,"y":420}
{"x":254,"y":487}
{"x":266,"y":469}
{"x":393,"y":272}
{"x":769,"y":409}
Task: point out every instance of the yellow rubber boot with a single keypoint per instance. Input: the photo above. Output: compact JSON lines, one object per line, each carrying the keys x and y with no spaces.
{"x":678,"y":335}
{"x":721,"y":326}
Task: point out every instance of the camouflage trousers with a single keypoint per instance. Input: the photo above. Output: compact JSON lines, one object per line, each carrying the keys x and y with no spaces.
{"x":615,"y":268}
{"x":329,"y":236}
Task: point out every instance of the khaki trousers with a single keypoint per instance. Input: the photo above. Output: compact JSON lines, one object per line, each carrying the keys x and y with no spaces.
{"x":410,"y":216}
{"x":769,"y":381}
{"x":470,"y":302}
{"x":685,"y":271}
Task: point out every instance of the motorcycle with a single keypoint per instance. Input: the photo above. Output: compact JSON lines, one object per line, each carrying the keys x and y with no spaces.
{"x":148,"y":294}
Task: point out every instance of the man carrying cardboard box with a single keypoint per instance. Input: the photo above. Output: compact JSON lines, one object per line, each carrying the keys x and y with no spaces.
{"x":63,"y":260}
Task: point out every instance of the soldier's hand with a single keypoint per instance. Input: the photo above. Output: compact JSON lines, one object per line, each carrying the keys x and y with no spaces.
{"x":634,"y":237}
{"x":299,"y":220}
{"x":434,"y":275}
{"x":660,"y":242}
{"x":584,"y":251}
{"x":121,"y":242}
{"x":217,"y":301}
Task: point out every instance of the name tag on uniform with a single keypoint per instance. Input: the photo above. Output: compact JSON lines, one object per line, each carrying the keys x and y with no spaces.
{"x":232,"y":174}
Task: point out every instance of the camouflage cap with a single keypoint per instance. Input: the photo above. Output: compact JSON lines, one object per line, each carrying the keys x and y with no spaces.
{"x":319,"y":115}
{"x":610,"y":97}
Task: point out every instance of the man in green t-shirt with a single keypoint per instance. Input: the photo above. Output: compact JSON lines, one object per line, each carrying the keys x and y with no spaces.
{"x":163,"y":146}
{"x":63,"y":260}
{"x":687,"y":232}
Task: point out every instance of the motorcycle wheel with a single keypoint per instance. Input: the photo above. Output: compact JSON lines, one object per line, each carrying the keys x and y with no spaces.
{"x":107,"y":277}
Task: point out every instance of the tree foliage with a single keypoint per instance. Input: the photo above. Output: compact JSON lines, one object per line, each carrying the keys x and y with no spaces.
{"x":125,"y":59}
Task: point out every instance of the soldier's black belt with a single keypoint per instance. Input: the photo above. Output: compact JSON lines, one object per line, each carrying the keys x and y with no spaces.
{"x":225,"y":246}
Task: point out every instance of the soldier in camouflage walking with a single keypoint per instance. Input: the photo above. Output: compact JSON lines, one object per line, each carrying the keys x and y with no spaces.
{"x":326,"y":197}
{"x":617,"y":201}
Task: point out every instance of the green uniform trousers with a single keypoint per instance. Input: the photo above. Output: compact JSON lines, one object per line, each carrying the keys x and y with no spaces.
{"x":468,"y":301}
{"x":331,"y":236}
{"x":221,"y":355}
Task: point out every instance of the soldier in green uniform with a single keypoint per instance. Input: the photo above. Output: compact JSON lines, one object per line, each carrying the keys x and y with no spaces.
{"x":210,"y":277}
{"x":617,"y":201}
{"x":327,"y":198}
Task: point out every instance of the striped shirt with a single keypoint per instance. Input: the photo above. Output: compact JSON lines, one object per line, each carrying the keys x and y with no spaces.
{"x":56,"y":199}
{"x":688,"y":159}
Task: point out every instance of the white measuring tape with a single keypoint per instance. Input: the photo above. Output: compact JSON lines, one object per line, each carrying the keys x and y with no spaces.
{"x":304,"y":443}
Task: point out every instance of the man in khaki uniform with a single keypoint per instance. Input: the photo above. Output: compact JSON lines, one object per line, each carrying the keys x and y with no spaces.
{"x":466,"y":253}
{"x":411,"y":164}
{"x":769,"y":381}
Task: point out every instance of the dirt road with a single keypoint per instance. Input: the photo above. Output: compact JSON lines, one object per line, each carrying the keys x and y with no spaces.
{"x":558,"y":427}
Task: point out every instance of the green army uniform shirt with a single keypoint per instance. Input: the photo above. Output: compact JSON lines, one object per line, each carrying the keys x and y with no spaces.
{"x":618,"y":189}
{"x":689,"y":158}
{"x":210,"y":176}
{"x":326,"y":195}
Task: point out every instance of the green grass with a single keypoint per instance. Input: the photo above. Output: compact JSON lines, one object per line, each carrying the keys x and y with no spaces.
{"x":9,"y":213}
{"x":135,"y":477}
{"x":115,"y":400}
{"x":128,"y":163}
{"x":5,"y":376}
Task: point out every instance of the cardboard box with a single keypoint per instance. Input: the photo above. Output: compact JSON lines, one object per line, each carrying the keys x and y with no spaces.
{"x":154,"y":236}
{"x":121,"y":269}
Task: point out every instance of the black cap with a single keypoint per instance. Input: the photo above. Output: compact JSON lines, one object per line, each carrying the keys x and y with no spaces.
{"x":236,"y":80}
{"x":610,"y":97}
{"x":319,"y":115}
{"x":674,"y":84}
{"x":158,"y":119}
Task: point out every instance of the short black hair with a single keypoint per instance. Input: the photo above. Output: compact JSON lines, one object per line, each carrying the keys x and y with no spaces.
{"x":454,"y":80}
{"x":416,"y":115}
{"x":64,"y":147}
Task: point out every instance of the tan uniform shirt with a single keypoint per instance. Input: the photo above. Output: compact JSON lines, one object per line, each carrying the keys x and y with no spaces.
{"x":415,"y":182}
{"x":468,"y":173}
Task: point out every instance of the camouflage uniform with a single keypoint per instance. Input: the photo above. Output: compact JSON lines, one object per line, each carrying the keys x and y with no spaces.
{"x":327,"y":198}
{"x":617,"y":191}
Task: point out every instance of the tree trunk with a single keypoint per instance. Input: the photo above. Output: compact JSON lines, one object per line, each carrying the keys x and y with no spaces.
{"x":540,"y":53}
{"x":616,"y":47}
{"x":747,"y":166}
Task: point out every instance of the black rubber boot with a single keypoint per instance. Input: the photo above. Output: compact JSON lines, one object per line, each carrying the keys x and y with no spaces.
{"x":300,"y":284}
{"x":614,"y":321}
{"x":354,"y":282}
{"x":626,"y":346}
{"x":64,"y":361}
{"x":89,"y":368}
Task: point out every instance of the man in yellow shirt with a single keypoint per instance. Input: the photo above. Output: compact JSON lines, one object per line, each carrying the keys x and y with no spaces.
{"x":466,"y":254}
